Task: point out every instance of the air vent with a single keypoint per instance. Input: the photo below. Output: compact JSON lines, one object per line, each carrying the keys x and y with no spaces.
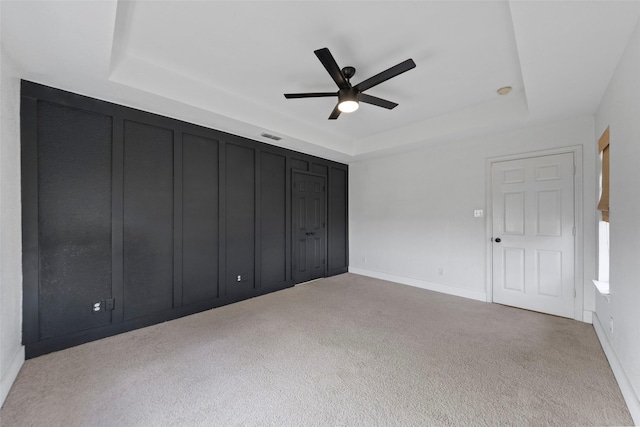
{"x":275,"y":138}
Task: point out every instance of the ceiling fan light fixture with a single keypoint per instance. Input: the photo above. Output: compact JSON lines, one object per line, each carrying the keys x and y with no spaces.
{"x":348,"y":100}
{"x":348,"y":106}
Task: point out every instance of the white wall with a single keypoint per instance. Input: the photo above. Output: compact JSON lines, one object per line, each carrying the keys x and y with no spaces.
{"x":11,"y":350}
{"x":411,"y":214}
{"x":620,"y":110}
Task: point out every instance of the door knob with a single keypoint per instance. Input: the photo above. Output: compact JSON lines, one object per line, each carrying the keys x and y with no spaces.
{"x":311,"y":234}
{"x":497,"y":240}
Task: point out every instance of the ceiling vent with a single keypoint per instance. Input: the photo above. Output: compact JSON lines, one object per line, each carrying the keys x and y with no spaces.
{"x":267,"y":135}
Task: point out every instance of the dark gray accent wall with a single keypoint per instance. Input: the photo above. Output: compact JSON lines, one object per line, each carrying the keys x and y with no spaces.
{"x":338,"y":250}
{"x":151,"y":218}
{"x":148,"y":219}
{"x":273,"y":219}
{"x":240,"y":228}
{"x":74,"y":217}
{"x":200,"y":219}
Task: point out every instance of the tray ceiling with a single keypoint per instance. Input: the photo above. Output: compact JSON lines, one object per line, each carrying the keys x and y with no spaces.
{"x":226,"y":65}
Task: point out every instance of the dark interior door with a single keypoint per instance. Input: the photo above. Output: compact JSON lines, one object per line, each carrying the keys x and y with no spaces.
{"x":309,"y":231}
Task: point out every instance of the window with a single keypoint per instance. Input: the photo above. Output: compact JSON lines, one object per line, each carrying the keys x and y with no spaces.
{"x":603,"y":206}
{"x":603,"y":148}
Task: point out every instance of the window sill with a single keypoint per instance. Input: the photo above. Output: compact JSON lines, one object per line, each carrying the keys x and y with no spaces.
{"x":603,"y":288}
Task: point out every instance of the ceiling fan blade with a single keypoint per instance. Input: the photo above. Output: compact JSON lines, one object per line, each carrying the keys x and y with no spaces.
{"x":335,"y":113}
{"x":386,"y":75}
{"x":309,"y":95}
{"x":332,"y":67}
{"x":363,"y":97}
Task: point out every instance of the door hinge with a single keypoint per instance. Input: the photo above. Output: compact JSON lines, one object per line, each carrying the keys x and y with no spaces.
{"x":574,"y":169}
{"x":575,"y":294}
{"x":574,"y":231}
{"x":322,"y":261}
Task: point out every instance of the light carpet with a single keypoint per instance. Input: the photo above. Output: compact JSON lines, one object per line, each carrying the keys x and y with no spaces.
{"x":346,"y":350}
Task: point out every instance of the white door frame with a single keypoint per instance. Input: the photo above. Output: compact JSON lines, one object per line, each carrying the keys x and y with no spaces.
{"x":576,"y":150}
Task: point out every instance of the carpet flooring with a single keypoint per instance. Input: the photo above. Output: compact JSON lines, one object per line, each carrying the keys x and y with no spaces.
{"x":346,"y":350}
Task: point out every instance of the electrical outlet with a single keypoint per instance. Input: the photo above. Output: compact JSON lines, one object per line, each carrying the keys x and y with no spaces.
{"x":97,"y":306}
{"x":611,"y":324}
{"x":440,"y":271}
{"x":239,"y":279}
{"x":478,"y":213}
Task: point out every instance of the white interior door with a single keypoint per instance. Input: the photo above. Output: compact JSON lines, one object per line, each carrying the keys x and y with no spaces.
{"x":533,"y":233}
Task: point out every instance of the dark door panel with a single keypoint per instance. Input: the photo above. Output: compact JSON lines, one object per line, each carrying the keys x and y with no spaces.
{"x":309,"y":227}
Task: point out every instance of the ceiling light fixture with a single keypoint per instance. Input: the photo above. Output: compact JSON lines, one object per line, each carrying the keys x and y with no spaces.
{"x":348,"y":106}
{"x":504,"y":90}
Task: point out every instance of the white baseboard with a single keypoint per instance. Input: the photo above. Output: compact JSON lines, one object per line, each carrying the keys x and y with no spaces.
{"x":587,"y":316}
{"x":11,"y":373}
{"x":628,"y":393}
{"x":438,"y":287}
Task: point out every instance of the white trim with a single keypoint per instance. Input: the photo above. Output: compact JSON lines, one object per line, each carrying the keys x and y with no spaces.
{"x":438,"y":287}
{"x":603,"y":289}
{"x":576,"y":150}
{"x":10,"y":375}
{"x":628,"y":393}
{"x":587,"y":316}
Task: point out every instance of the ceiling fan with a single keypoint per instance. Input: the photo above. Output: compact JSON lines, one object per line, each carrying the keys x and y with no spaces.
{"x":349,"y":96}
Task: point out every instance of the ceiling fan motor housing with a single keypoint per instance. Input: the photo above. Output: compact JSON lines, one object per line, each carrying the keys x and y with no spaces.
{"x":348,"y":72}
{"x":350,"y":94}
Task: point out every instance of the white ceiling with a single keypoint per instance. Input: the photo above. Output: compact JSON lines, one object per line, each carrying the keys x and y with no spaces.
{"x":226,"y":65}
